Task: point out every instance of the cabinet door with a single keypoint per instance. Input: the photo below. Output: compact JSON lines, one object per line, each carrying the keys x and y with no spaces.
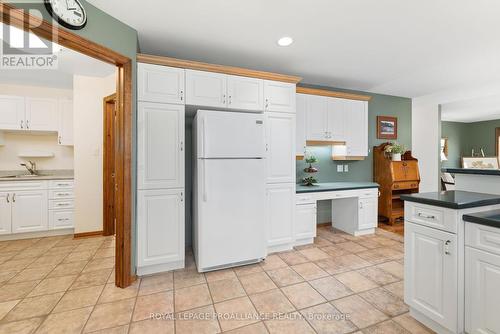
{"x":317,"y":118}
{"x":337,"y":118}
{"x":60,"y":219}
{"x":279,"y":96}
{"x":357,"y":128}
{"x":300,"y":132}
{"x":41,"y":114}
{"x":162,"y":84}
{"x":206,"y":89}
{"x":160,"y":226}
{"x":305,"y":221}
{"x":160,"y":146}
{"x":5,"y":213}
{"x":280,"y":139}
{"x":29,"y":211}
{"x":280,"y":211}
{"x":11,"y":112}
{"x":65,"y":122}
{"x":245,"y":93}
{"x":482,"y":293}
{"x":431,"y":282}
{"x":368,"y":213}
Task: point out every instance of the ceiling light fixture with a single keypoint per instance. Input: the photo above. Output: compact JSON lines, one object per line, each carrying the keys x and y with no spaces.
{"x":285,"y":41}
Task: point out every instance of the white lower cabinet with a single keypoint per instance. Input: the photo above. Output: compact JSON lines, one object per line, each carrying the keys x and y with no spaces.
{"x":29,"y":211}
{"x":280,"y":210}
{"x":368,"y":213}
{"x":305,"y":223}
{"x":431,"y":280}
{"x":5,"y":214}
{"x":160,"y":230}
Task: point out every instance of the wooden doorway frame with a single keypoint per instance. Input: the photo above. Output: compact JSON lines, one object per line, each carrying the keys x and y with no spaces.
{"x":11,"y":15}
{"x":497,"y":141}
{"x":109,"y":148}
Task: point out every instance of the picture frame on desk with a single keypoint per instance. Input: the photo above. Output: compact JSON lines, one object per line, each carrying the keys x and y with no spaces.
{"x":480,"y":162}
{"x":387,"y":127}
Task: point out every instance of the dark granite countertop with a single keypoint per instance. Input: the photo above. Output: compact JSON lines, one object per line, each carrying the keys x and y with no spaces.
{"x":472,"y":171}
{"x":454,"y":199}
{"x":332,"y":186}
{"x":489,"y":218}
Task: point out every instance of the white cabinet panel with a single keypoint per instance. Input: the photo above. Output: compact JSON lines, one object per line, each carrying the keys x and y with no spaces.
{"x":41,"y":114}
{"x":356,"y":127}
{"x":280,"y":210}
{"x":300,"y":133}
{"x":60,"y":219}
{"x":29,"y":211}
{"x":305,"y":221}
{"x":337,"y":118}
{"x":482,"y":293}
{"x":280,"y":138}
{"x":11,"y":112}
{"x":160,"y":227}
{"x":206,"y":89}
{"x":279,"y":96}
{"x":65,"y":122}
{"x":317,"y":118}
{"x":368,"y":213}
{"x":160,"y":84}
{"x":160,"y":146}
{"x":431,"y":264}
{"x":245,"y":93}
{"x":5,"y":213}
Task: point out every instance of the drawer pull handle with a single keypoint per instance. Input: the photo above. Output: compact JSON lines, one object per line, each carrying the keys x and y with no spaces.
{"x":63,"y":219}
{"x":62,"y":204}
{"x":62,"y":194}
{"x":420,"y":214}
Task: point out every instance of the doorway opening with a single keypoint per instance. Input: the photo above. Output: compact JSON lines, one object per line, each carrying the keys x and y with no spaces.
{"x":109,"y":181}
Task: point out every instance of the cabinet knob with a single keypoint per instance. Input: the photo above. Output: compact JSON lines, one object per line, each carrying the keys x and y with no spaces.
{"x":8,"y":200}
{"x":22,"y":124}
{"x":13,"y":198}
{"x":447,"y":247}
{"x":182,"y":95}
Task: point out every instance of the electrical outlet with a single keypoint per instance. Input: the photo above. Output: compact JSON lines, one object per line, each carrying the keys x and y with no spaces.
{"x":346,"y":168}
{"x":340,"y":168}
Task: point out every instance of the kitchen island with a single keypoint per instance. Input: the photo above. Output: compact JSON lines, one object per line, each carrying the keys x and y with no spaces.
{"x":476,"y":180}
{"x":452,"y":260}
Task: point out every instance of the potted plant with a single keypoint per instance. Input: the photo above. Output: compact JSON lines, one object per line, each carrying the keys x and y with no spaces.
{"x":395,"y":150}
{"x":310,"y":180}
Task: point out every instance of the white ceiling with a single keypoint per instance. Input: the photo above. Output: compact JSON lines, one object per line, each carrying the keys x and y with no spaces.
{"x":404,"y":48}
{"x":483,"y":108}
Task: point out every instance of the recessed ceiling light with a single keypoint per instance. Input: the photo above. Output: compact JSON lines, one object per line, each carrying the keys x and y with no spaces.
{"x":285,"y":41}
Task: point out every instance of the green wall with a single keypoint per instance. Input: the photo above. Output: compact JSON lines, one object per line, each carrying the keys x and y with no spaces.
{"x":455,"y":132}
{"x":105,"y":30}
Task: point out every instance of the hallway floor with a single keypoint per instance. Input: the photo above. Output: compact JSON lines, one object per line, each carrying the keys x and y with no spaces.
{"x":341,"y":284}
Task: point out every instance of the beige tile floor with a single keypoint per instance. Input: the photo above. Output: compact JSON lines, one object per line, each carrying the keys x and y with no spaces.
{"x":341,"y":284}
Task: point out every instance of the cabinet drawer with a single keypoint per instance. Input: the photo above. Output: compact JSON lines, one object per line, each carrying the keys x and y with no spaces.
{"x":60,"y":219}
{"x":57,"y":184}
{"x":305,"y":199}
{"x":23,"y":185}
{"x":61,"y":194}
{"x":432,"y":216}
{"x":368,"y":193}
{"x":405,"y":185}
{"x":61,"y":204}
{"x":483,"y":237}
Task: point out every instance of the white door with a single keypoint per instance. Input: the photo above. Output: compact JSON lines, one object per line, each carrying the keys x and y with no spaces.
{"x":368,"y":213}
{"x":29,"y":211}
{"x":280,"y":211}
{"x":206,"y":89}
{"x":161,"y":84}
{"x":280,"y":139}
{"x":160,"y":146}
{"x":160,"y":226}
{"x":41,"y":114}
{"x":482,"y":292}
{"x":65,"y":122}
{"x":5,"y":213}
{"x":305,"y":221}
{"x":245,"y":93}
{"x":357,"y":128}
{"x":279,"y":96}
{"x":317,"y":118}
{"x":300,"y":128}
{"x":337,"y":118}
{"x":431,"y":273}
{"x":11,"y":113}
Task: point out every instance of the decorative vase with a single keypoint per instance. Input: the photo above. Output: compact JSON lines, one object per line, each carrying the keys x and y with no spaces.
{"x":396,"y":156}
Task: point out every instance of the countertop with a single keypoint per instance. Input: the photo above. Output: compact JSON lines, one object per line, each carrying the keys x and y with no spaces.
{"x":332,"y":186}
{"x":472,"y":171}
{"x":453,"y":199}
{"x":14,"y":176}
{"x":489,"y":218}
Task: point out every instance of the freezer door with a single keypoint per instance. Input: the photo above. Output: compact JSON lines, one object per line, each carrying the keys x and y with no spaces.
{"x":229,"y":135}
{"x":230,"y":222}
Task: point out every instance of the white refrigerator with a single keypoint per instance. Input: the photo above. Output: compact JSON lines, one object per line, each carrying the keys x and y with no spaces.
{"x":229,"y":189}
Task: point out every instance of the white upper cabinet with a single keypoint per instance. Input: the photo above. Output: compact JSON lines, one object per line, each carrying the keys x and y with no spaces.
{"x":65,"y":122}
{"x":160,"y":84}
{"x":280,"y":144}
{"x":317,"y":118}
{"x":160,"y":146}
{"x":337,"y":118}
{"x":356,"y":127}
{"x":245,"y":93}
{"x":206,"y":89}
{"x":300,"y":132}
{"x":279,"y":96}
{"x":11,"y":112}
{"x":41,"y":114}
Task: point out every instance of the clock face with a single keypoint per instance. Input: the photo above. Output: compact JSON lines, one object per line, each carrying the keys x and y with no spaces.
{"x":69,"y":13}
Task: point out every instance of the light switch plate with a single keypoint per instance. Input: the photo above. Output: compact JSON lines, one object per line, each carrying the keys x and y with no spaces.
{"x":340,"y":168}
{"x":346,"y":168}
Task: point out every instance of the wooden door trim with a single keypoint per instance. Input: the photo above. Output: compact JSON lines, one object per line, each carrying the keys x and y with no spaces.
{"x":19,"y":18}
{"x":497,"y":139}
{"x":108,"y":227}
{"x":330,"y":93}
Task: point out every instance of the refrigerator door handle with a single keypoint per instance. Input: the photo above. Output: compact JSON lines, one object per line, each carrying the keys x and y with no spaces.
{"x":205,"y":193}
{"x":203,"y":137}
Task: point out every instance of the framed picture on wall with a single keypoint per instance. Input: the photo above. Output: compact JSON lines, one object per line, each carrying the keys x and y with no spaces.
{"x":480,"y":162}
{"x":387,"y":127}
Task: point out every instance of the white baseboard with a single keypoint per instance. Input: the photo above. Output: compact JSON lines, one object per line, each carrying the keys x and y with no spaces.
{"x":279,"y":248}
{"x":159,"y":268}
{"x":302,"y":242}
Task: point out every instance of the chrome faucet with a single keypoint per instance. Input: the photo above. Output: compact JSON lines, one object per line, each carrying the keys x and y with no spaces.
{"x":32,"y":168}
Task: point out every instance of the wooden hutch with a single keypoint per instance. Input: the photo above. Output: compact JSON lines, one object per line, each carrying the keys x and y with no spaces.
{"x":395,"y":178}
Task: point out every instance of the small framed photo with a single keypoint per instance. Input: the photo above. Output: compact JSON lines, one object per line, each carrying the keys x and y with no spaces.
{"x":387,"y":127}
{"x":480,"y":162}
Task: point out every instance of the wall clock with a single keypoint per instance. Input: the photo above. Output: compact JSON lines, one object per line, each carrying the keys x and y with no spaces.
{"x":68,"y":13}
